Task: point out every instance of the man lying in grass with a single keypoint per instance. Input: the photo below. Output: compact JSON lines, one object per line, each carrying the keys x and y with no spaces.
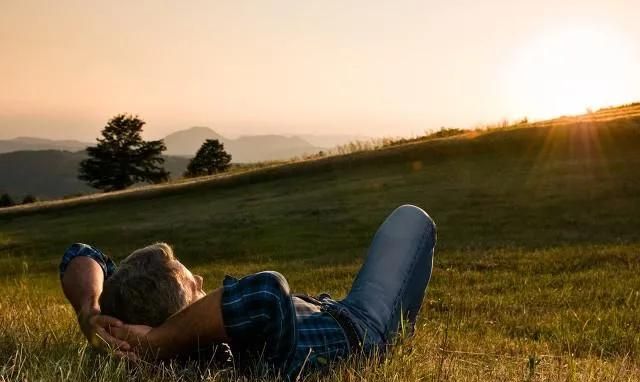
{"x":154,"y":307}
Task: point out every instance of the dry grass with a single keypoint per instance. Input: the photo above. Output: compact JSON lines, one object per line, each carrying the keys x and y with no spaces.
{"x":537,"y":272}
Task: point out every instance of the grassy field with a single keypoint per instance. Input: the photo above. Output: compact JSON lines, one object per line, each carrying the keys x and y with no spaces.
{"x":537,"y":267}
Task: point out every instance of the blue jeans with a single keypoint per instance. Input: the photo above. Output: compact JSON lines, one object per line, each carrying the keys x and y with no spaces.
{"x":391,"y":284}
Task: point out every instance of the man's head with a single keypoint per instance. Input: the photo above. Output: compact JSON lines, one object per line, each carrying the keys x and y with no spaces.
{"x":149,"y":286}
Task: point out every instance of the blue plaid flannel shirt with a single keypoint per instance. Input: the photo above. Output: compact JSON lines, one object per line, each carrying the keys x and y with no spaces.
{"x":264,"y":321}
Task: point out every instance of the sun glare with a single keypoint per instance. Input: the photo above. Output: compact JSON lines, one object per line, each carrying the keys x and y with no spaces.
{"x":566,"y":71}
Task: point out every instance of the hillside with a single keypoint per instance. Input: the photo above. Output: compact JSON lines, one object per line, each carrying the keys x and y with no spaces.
{"x":51,"y":174}
{"x":514,"y":157}
{"x":536,"y":271}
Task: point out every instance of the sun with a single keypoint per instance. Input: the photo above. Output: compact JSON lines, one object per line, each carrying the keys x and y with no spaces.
{"x":567,"y":70}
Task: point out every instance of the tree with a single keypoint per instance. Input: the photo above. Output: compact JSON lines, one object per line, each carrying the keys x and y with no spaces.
{"x":6,"y":200}
{"x":122,"y":158}
{"x":28,"y":199}
{"x":210,"y":159}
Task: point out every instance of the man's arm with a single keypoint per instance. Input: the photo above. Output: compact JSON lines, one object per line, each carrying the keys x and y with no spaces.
{"x":253,"y":313}
{"x":198,"y":324}
{"x":82,"y":285}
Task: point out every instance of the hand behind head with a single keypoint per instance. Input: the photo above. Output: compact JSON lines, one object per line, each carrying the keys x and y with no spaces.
{"x":136,"y":337}
{"x":96,"y":327}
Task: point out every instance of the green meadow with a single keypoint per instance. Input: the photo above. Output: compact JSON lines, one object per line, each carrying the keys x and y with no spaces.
{"x":536,"y":274}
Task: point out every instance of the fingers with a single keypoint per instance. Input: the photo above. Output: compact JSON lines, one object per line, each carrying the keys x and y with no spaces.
{"x":121,"y":333}
{"x":127,"y":355}
{"x":111,"y":341}
{"x":103,"y":321}
{"x":133,"y":334}
{"x":126,"y":335}
{"x":101,"y":325}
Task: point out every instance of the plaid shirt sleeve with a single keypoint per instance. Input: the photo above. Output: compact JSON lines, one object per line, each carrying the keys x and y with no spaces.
{"x":79,"y":249}
{"x":259,"y":317}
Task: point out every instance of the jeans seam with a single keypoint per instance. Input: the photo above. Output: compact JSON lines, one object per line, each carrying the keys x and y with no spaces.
{"x":406,"y":278}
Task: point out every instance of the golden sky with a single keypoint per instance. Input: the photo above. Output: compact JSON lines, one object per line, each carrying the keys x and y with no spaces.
{"x":304,"y":66}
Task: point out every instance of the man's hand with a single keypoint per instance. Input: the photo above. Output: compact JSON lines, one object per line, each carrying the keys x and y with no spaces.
{"x":137,"y":338}
{"x":96,"y":327}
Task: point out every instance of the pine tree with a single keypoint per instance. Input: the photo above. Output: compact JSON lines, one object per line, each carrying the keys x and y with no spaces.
{"x":210,"y":159}
{"x":122,"y":158}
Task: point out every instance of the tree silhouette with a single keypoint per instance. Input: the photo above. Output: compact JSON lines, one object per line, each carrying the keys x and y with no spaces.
{"x":29,"y":198}
{"x":6,"y":200}
{"x":210,"y":159}
{"x":122,"y":158}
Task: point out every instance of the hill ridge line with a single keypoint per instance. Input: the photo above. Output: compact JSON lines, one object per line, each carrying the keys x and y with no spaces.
{"x":633,"y":112}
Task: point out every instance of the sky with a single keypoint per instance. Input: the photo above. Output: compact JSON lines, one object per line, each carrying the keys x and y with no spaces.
{"x":375,"y":68}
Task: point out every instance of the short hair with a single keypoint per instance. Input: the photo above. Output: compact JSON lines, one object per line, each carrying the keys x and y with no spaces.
{"x":146,"y":289}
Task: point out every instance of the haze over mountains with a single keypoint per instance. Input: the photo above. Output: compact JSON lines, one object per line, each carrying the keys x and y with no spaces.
{"x":29,"y":143}
{"x":253,"y":148}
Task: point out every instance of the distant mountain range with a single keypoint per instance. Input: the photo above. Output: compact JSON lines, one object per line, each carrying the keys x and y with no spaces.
{"x":28,"y":143}
{"x":49,"y":168}
{"x":252,"y":148}
{"x":245,"y":149}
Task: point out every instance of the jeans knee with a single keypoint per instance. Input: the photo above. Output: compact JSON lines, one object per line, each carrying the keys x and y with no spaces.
{"x":416,"y":217}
